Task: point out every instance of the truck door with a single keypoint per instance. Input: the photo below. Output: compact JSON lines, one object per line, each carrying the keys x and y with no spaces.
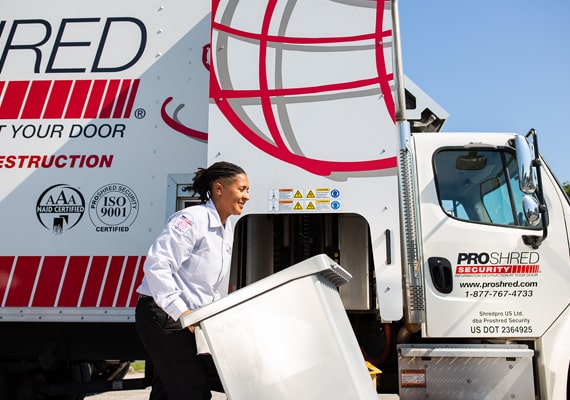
{"x":481,"y":279}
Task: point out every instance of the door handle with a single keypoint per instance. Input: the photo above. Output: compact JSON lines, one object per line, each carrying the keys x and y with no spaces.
{"x":441,"y":274}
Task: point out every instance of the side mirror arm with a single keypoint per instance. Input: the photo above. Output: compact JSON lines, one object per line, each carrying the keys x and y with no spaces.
{"x":536,"y":241}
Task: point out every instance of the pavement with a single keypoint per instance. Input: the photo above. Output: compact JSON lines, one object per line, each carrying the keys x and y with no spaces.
{"x":141,"y":394}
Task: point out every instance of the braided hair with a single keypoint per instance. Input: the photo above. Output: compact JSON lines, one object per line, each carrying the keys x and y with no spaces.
{"x":204,"y":178}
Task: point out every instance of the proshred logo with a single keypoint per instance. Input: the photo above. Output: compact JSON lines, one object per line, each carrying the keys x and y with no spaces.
{"x":72,"y":46}
{"x":498,"y":263}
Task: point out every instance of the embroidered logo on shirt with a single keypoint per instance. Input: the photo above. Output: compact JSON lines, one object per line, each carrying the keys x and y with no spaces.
{"x":182,"y":224}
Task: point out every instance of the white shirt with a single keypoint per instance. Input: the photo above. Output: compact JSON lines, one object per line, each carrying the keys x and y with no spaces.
{"x":187,"y":263}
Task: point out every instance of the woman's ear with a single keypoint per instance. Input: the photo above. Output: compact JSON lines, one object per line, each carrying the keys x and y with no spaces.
{"x":218,"y":188}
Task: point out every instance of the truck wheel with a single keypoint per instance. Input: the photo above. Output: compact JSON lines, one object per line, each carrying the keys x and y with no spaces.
{"x":80,"y":373}
{"x":26,"y":384}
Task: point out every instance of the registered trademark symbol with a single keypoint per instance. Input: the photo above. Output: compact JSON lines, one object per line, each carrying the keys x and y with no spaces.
{"x":140,"y":113}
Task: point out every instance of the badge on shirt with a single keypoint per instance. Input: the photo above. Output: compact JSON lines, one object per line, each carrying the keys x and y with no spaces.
{"x":182,"y":224}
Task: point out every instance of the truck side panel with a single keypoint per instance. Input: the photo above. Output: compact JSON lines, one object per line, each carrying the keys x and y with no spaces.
{"x":306,"y":107}
{"x":103,"y":120}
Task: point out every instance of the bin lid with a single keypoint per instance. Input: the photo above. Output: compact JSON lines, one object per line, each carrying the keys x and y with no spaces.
{"x":321,"y":265}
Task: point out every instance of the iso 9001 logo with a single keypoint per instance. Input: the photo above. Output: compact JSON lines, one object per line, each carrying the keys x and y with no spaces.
{"x":113,"y":208}
{"x":60,"y":207}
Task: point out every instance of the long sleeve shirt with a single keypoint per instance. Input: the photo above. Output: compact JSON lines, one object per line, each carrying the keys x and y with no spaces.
{"x":187,"y":263}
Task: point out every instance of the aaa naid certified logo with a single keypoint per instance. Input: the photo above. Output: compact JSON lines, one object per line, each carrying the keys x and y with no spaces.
{"x":60,"y":207}
{"x":113,"y":208}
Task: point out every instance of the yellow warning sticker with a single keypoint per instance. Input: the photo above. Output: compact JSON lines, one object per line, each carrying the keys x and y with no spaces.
{"x":310,"y":194}
{"x":298,"y":206}
{"x":310,"y":205}
{"x":298,"y":194}
{"x":323,"y":204}
{"x":322,"y":193}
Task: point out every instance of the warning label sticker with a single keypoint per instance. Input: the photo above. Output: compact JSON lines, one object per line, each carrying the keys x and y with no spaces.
{"x":413,"y":378}
{"x":284,"y":194}
{"x":298,"y":199}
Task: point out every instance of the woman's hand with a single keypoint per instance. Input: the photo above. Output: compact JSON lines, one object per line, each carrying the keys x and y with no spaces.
{"x":190,"y":327}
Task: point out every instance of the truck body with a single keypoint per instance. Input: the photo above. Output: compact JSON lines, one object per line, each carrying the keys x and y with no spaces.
{"x":457,"y":242}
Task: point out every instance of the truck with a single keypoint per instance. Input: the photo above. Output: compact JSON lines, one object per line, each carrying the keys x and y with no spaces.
{"x":458,"y":243}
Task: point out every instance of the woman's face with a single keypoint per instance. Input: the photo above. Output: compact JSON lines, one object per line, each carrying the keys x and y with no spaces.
{"x":230,"y":195}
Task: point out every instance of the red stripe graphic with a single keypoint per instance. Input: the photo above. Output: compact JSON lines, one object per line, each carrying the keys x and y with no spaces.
{"x":109,"y":101}
{"x":93,"y":285}
{"x":73,"y":282}
{"x":136,"y":282}
{"x":122,"y":98}
{"x":57,"y":99}
{"x":111,"y":282}
{"x":22,"y":284}
{"x":6,"y":265}
{"x":131,"y":101}
{"x":525,"y":269}
{"x":36,"y":100}
{"x":49,"y":280}
{"x":76,"y":281}
{"x":497,"y":269}
{"x":124,"y":289}
{"x":77,"y":99}
{"x":67,"y":99}
{"x":95,"y":99}
{"x":13,"y":99}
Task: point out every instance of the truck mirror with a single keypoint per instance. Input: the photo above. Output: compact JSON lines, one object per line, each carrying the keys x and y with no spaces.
{"x":525,"y":157}
{"x":531,"y":209}
{"x":471,"y":162}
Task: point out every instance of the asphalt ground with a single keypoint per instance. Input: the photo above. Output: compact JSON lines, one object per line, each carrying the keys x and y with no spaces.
{"x":144,"y":393}
{"x":137,"y":394}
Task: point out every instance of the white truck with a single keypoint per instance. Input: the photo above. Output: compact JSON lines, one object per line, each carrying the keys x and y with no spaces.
{"x":458,"y":243}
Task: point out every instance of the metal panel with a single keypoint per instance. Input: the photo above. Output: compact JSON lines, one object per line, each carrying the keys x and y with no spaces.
{"x":467,"y":372}
{"x":353,"y":244}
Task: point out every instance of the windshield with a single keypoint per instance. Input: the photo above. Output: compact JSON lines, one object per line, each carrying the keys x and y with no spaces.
{"x":480,"y":186}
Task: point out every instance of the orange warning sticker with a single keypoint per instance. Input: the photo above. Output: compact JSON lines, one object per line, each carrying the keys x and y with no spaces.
{"x":413,"y":378}
{"x":285,"y":193}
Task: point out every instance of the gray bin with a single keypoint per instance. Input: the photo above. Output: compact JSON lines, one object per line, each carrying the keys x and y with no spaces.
{"x":285,"y":337}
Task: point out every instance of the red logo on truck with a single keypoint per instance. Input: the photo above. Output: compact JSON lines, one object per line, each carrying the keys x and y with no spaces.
{"x":274,"y":98}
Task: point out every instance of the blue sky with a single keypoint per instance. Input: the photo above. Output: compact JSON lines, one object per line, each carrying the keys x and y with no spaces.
{"x":495,"y":65}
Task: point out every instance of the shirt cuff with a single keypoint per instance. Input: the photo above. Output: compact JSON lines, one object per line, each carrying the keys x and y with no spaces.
{"x":176,"y":308}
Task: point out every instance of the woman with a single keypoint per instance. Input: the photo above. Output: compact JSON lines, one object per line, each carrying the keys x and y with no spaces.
{"x":184,"y":270}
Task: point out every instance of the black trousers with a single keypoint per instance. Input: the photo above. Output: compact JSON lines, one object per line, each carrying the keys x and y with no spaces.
{"x":179,"y":372}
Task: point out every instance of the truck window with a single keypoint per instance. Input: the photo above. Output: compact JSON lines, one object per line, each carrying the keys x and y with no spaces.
{"x":479,"y":185}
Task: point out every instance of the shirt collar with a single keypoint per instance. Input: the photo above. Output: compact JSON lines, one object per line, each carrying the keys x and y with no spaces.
{"x":213,"y":216}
